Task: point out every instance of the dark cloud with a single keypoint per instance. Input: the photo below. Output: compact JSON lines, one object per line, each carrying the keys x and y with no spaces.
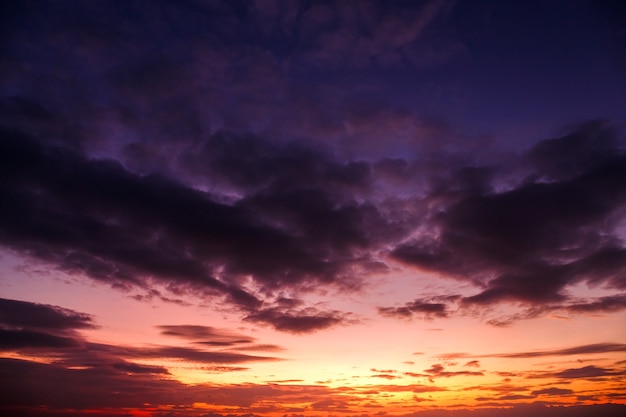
{"x":96,"y":218}
{"x":574,"y":154}
{"x":16,"y":314}
{"x":109,"y":389}
{"x":79,"y":389}
{"x":605,"y":304}
{"x":556,"y":227}
{"x":353,"y":34}
{"x":20,"y":339}
{"x":80,"y":374}
{"x":385,"y":371}
{"x":247,"y":162}
{"x":300,"y":321}
{"x":26,"y":325}
{"x":385,"y":376}
{"x":511,"y":397}
{"x":427,"y":308}
{"x":552,"y":391}
{"x":591,"y":373}
{"x":576,"y":350}
{"x":105,"y":353}
{"x":70,"y":349}
{"x":439,"y":371}
{"x":205,"y":335}
{"x":186,"y":354}
{"x":140,"y":369}
{"x":259,"y":348}
{"x":222,"y":369}
{"x":592,"y":349}
{"x":240,"y":67}
{"x":584,"y":372}
{"x":204,"y":145}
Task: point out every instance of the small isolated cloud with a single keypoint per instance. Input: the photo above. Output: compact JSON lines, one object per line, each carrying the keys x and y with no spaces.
{"x":584,"y":372}
{"x":205,"y":335}
{"x":385,"y":376}
{"x":223,"y":369}
{"x":439,"y":371}
{"x":425,"y":308}
{"x":552,"y":392}
{"x":139,"y":369}
{"x":298,"y":321}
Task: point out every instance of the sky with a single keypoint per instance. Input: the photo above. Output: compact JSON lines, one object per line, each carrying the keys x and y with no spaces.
{"x":313,"y":208}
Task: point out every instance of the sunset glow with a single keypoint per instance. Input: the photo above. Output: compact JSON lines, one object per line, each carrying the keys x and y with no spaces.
{"x":358,"y":208}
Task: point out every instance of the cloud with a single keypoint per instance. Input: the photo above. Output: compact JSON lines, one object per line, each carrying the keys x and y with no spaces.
{"x":527,"y":241}
{"x":427,"y":308}
{"x":183,"y":353}
{"x":202,"y":166}
{"x":96,"y":387}
{"x":205,"y":335}
{"x":576,"y":350}
{"x":552,"y":391}
{"x":590,"y":372}
{"x":26,"y":325}
{"x":584,"y":372}
{"x":439,"y":371}
{"x":262,"y":186}
{"x":20,"y":339}
{"x":573,"y":154}
{"x":605,"y":304}
{"x":115,"y":388}
{"x":592,"y":349}
{"x":50,"y":332}
{"x":222,"y":369}
{"x":385,"y":376}
{"x":96,"y":218}
{"x":16,"y":314}
{"x":353,"y":34}
{"x":140,"y":369}
{"x":302,"y":321}
{"x":259,"y":347}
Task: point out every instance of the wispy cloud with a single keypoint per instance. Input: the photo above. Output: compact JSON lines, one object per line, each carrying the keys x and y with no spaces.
{"x":576,"y":350}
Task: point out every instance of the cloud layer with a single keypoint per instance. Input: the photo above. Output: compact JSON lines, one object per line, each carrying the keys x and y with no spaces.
{"x":302,"y":219}
{"x":230,"y":161}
